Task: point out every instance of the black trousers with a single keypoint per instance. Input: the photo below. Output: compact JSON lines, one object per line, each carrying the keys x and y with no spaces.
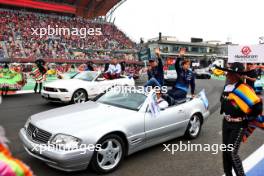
{"x":232,"y":134}
{"x":177,"y":93}
{"x":36,"y":87}
{"x":5,"y":90}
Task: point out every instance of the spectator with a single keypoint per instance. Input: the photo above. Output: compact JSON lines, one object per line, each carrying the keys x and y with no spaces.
{"x":17,"y":35}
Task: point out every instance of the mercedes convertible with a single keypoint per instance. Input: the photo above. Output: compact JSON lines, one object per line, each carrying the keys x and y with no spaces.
{"x":101,"y":133}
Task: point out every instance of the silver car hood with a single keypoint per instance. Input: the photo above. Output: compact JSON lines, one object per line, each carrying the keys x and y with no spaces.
{"x":73,"y":118}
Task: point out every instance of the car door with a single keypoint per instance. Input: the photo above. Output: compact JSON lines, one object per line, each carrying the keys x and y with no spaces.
{"x":99,"y":85}
{"x":168,"y":123}
{"x":122,"y":81}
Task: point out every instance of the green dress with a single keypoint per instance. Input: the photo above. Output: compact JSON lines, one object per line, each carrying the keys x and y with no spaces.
{"x":10,"y":79}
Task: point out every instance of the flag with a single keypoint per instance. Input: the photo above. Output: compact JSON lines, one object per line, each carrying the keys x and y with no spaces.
{"x":204,"y":99}
{"x":153,"y":106}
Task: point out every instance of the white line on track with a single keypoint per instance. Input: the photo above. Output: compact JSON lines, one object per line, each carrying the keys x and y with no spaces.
{"x":253,"y":159}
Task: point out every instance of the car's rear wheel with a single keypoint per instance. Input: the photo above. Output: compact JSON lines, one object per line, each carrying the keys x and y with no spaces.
{"x":109,"y":156}
{"x":79,"y":96}
{"x":194,"y":127}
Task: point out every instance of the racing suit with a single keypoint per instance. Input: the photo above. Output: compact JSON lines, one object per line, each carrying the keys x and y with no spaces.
{"x":185,"y":78}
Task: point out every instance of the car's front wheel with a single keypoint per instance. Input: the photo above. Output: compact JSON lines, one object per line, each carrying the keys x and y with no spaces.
{"x":79,"y":96}
{"x":109,"y":156}
{"x":194,"y":127}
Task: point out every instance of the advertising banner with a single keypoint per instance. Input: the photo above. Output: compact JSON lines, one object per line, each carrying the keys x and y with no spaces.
{"x":246,"y":54}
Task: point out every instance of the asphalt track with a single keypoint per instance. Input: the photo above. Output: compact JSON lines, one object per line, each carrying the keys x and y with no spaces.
{"x":15,"y":110}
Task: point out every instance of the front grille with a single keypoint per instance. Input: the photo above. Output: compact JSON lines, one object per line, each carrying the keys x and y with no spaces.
{"x":37,"y":134}
{"x":49,"y":89}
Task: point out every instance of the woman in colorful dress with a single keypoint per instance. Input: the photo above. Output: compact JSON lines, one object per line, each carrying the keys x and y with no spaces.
{"x":10,"y":166}
{"x":39,"y":74}
{"x":10,"y":80}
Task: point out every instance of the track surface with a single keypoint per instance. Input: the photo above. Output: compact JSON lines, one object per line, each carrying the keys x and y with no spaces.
{"x":15,"y":110}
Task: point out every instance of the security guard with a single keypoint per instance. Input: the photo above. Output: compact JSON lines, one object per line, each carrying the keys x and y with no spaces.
{"x":238,"y":103}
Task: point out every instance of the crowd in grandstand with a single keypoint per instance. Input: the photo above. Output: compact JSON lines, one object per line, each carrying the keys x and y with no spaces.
{"x":17,"y":41}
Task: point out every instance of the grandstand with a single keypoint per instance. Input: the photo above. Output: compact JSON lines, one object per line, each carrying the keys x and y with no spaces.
{"x":19,"y":43}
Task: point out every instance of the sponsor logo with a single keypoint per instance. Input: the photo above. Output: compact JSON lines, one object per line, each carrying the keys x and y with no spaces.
{"x":246,"y":50}
{"x":246,"y":53}
{"x":35,"y":133}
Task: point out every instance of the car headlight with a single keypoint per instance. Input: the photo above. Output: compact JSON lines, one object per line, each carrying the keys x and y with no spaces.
{"x":63,"y":90}
{"x":27,"y":122}
{"x":66,"y":142}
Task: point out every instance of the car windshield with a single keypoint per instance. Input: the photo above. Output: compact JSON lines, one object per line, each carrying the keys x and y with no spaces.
{"x":86,"y":76}
{"x":131,"y":100}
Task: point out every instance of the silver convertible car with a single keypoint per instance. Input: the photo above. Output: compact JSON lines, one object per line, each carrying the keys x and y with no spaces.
{"x":101,"y":133}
